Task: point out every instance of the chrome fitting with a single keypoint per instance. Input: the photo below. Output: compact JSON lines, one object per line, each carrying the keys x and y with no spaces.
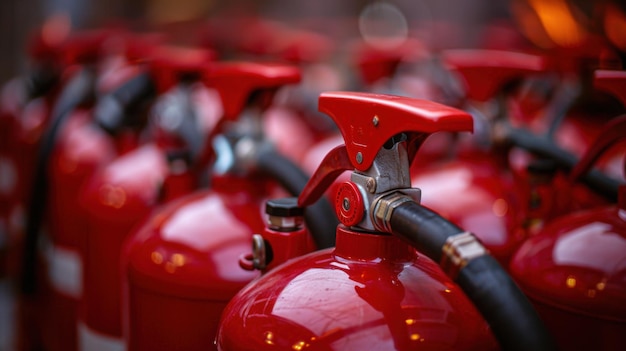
{"x":458,"y":251}
{"x":383,"y":208}
{"x":259,"y":256}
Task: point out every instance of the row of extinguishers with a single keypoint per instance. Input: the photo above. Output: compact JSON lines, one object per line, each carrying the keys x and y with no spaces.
{"x":135,"y":175}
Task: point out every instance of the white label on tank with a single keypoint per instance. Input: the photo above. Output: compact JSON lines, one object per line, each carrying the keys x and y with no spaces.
{"x":91,"y":340}
{"x":65,"y":270}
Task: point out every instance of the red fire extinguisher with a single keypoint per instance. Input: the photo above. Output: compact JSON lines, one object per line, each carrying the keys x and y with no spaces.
{"x":24,"y":103}
{"x":374,"y":290}
{"x":89,"y":139}
{"x":80,"y":54}
{"x":182,"y":263}
{"x":488,"y":200}
{"x":123,"y":192}
{"x":573,"y":269}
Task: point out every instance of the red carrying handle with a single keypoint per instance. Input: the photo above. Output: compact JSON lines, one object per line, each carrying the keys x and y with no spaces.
{"x":367,"y":121}
{"x":486,"y":72}
{"x":236,"y":81}
{"x":168,"y":63}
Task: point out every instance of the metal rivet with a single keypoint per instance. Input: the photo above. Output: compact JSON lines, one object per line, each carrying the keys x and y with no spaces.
{"x":359,"y":157}
{"x":346,"y":204}
{"x":370,"y":185}
{"x":375,"y":121}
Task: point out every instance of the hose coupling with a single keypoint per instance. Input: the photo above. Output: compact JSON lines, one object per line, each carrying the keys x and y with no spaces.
{"x":458,"y":251}
{"x":383,"y":207}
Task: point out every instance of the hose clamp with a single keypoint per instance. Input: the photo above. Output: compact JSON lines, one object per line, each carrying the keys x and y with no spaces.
{"x":458,"y":251}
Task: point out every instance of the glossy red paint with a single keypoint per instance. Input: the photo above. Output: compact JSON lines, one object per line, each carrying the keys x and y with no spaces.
{"x":575,"y":274}
{"x":182,"y":266}
{"x":370,"y":292}
{"x":117,"y":197}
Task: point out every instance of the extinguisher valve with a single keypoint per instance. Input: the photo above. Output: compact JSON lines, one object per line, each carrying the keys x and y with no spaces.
{"x":284,"y":215}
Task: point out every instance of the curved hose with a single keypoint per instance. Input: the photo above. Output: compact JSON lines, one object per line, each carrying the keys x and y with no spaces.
{"x":115,"y":110}
{"x":510,"y":315}
{"x":543,"y":147}
{"x":79,"y":90}
{"x":319,"y":217}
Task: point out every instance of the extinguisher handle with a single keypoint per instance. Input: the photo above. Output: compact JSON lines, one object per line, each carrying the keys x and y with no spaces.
{"x":611,"y":81}
{"x":367,"y":121}
{"x":613,"y":132}
{"x":487,"y":72}
{"x":85,"y":46}
{"x":303,"y":46}
{"x":237,"y":81}
{"x":376,"y":63}
{"x":170,"y":64}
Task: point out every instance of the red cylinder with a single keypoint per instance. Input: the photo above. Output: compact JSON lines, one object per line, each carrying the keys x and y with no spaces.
{"x":574,"y":271}
{"x":116,"y":199}
{"x":370,"y":292}
{"x":182,"y":264}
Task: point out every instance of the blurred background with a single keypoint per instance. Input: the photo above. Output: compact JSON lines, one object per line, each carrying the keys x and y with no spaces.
{"x":437,"y":24}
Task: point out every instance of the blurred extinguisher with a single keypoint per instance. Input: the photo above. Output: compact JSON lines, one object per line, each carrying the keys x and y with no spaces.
{"x":573,"y":270}
{"x":123,"y":192}
{"x":375,"y":290}
{"x":476,"y":174}
{"x":24,"y":108}
{"x":181,"y":265}
{"x":89,"y":139}
{"x":79,"y":53}
{"x":312,"y":53}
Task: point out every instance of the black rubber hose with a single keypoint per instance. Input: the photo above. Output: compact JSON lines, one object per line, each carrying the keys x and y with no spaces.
{"x":543,"y":147}
{"x":510,"y":315}
{"x":320,"y":217}
{"x":118,"y":108}
{"x":79,"y":90}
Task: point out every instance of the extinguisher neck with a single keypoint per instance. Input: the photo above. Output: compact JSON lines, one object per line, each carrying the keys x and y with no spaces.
{"x":372,"y":246}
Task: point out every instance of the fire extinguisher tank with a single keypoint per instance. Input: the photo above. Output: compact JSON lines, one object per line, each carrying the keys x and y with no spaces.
{"x":176,"y":263}
{"x":378,"y":295}
{"x":574,"y":270}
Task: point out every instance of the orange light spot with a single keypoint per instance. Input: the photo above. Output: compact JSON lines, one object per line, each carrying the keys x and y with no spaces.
{"x":570,"y":281}
{"x":112,"y":196}
{"x":500,"y":207}
{"x":559,"y":22}
{"x":156,"y":257}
